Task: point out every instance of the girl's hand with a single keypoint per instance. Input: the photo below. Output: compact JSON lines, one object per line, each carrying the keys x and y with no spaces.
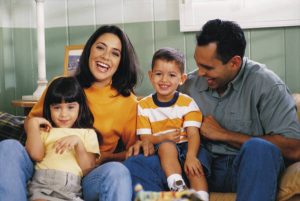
{"x":40,"y":122}
{"x":192,"y":166}
{"x":67,"y":143}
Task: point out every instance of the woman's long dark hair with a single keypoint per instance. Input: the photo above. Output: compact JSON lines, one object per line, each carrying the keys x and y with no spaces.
{"x":68,"y":89}
{"x":126,"y":77}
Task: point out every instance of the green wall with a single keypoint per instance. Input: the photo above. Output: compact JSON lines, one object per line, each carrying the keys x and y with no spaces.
{"x":279,"y":48}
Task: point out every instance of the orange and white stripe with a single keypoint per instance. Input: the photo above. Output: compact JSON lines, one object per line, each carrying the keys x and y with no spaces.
{"x":155,"y":120}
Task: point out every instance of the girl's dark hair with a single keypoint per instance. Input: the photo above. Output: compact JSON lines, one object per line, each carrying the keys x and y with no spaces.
{"x":228,"y":36}
{"x":126,"y":77}
{"x":67,"y":89}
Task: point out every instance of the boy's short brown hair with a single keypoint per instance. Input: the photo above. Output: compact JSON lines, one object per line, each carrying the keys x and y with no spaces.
{"x":169,"y":54}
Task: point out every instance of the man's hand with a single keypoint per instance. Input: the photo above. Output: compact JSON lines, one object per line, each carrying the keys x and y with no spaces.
{"x":212,"y":130}
{"x":145,"y":145}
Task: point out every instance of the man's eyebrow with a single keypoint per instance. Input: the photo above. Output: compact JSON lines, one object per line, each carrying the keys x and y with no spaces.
{"x":205,"y":66}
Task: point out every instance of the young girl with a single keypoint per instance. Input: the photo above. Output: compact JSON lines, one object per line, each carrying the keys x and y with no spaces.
{"x":63,"y":143}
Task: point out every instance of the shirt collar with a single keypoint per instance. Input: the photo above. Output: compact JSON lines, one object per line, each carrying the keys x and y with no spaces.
{"x":237,"y":81}
{"x":165,"y":104}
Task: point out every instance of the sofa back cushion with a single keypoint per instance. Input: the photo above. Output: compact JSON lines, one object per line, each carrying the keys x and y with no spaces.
{"x":297,"y":100}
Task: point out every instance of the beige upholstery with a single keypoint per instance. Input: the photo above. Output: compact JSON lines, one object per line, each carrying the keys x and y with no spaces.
{"x":297,"y":100}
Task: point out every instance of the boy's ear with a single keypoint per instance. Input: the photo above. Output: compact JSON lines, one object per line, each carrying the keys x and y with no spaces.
{"x":150,"y":74}
{"x":183,"y":78}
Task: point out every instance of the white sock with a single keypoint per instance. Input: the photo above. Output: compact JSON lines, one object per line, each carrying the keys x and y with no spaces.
{"x":203,"y":195}
{"x":172,"y":178}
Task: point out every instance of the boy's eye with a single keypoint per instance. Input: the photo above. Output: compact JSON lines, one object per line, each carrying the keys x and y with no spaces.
{"x":173,"y":75}
{"x":157,"y":73}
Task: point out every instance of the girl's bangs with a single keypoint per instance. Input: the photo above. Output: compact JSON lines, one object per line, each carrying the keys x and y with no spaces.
{"x":60,"y":96}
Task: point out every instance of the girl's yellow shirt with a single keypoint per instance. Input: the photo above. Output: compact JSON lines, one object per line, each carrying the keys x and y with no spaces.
{"x":114,"y":116}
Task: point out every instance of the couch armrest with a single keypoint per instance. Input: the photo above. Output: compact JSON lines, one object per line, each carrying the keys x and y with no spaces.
{"x":296,"y":97}
{"x":289,"y":185}
{"x":11,"y":127}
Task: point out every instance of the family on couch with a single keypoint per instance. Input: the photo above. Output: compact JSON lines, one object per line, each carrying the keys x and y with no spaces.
{"x":250,"y":127}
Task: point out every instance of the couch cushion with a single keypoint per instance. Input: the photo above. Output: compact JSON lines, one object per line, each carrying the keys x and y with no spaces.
{"x":11,"y":127}
{"x":297,"y":100}
{"x":290,"y":182}
{"x":215,"y":196}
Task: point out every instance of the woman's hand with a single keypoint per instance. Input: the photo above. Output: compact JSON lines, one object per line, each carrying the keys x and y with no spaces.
{"x":67,"y":143}
{"x":105,"y":156}
{"x":146,"y":146}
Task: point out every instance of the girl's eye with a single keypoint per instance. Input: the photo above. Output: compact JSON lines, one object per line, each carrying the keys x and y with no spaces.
{"x":173,"y":75}
{"x":56,"y":107}
{"x":71,"y":107}
{"x":157,"y":73}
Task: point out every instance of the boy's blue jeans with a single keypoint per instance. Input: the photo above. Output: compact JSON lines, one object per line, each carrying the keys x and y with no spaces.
{"x":253,"y":173}
{"x":108,"y":182}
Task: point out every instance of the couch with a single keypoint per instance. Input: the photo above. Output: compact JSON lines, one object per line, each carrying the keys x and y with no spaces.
{"x":289,"y":187}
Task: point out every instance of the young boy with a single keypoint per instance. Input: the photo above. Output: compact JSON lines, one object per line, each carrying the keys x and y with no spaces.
{"x":171,"y":121}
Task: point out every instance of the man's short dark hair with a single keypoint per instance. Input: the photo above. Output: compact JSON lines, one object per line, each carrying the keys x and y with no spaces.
{"x":228,"y":36}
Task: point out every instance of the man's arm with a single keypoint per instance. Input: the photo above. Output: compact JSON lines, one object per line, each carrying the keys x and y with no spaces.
{"x":211,"y":129}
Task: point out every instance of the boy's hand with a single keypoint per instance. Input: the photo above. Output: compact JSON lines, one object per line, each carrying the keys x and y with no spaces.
{"x":66,"y":143}
{"x":173,"y":136}
{"x":192,"y":166}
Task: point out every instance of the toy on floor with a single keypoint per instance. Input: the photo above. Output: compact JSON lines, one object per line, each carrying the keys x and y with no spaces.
{"x":187,"y":195}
